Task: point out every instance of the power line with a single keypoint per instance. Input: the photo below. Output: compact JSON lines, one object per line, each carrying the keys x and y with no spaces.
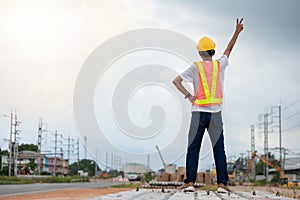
{"x":286,"y":107}
{"x":291,"y":116}
{"x":297,"y":125}
{"x":292,"y":152}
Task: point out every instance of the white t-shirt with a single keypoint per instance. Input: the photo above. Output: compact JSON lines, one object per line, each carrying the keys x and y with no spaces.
{"x":191,"y":75}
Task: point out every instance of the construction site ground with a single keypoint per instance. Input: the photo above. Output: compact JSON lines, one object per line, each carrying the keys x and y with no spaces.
{"x":240,"y":192}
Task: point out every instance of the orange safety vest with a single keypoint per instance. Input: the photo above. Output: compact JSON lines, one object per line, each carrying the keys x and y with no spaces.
{"x":210,"y":90}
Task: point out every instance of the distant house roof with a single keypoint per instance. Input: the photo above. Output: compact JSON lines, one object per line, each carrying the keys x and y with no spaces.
{"x":135,"y":167}
{"x":28,"y":154}
{"x":290,"y":164}
{"x":292,"y":161}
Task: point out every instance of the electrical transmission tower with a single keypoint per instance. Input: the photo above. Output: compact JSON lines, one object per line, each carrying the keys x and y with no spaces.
{"x":266,"y":150}
{"x":10,"y":143}
{"x":264,"y":118}
{"x":70,"y":150}
{"x":15,"y":144}
{"x":55,"y":150}
{"x":279,"y":130}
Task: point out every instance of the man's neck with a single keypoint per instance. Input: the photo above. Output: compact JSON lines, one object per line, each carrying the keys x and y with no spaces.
{"x":207,"y":58}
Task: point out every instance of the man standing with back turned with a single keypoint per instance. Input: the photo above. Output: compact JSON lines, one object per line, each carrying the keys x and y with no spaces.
{"x":207,"y":77}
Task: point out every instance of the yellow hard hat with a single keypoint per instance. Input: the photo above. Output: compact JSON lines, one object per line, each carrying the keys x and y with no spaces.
{"x":205,"y":44}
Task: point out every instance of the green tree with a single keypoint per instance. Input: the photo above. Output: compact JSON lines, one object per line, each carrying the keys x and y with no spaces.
{"x":260,"y":166}
{"x":3,"y":152}
{"x":31,"y":164}
{"x":28,"y":147}
{"x":73,"y":169}
{"x":86,"y":165}
{"x":238,"y":164}
{"x":4,"y":170}
{"x":149,"y":176}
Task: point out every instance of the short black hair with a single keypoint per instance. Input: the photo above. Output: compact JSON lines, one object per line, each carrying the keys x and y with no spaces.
{"x":207,"y":53}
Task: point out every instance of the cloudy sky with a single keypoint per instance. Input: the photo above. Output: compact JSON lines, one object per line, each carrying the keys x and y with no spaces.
{"x":44,"y":44}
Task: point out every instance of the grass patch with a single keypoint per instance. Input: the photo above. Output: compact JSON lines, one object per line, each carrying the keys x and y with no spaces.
{"x":11,"y":180}
{"x":130,"y":185}
{"x":8,"y":182}
{"x":258,"y":182}
{"x":209,"y":187}
{"x":5,"y":180}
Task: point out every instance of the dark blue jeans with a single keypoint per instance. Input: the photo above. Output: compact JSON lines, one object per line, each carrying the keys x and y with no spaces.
{"x":213,"y":123}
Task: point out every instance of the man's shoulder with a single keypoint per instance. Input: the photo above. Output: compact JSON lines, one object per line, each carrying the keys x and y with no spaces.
{"x":223,"y":58}
{"x":192,"y":66}
{"x":189,"y":73}
{"x":190,"y":69}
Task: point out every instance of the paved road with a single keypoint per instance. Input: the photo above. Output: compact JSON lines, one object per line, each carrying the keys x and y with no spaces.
{"x":33,"y":188}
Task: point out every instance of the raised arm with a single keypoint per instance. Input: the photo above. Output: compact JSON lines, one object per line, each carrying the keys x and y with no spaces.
{"x":238,"y":29}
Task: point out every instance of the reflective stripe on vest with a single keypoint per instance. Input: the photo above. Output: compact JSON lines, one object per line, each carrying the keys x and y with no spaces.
{"x":209,"y":96}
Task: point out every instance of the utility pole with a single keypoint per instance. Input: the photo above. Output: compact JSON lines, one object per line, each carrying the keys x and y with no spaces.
{"x":85,"y":141}
{"x":242,"y":161}
{"x":96,"y":163}
{"x":120,"y":162}
{"x":266,"y":144}
{"x":77,"y":155}
{"x":16,"y":124}
{"x":253,"y":170}
{"x":14,"y":145}
{"x":69,"y":147}
{"x":16,"y":160}
{"x":55,"y":146}
{"x":40,"y":135}
{"x":284,"y":153}
{"x":70,"y":150}
{"x":248,"y":157}
{"x":148,"y":161}
{"x":72,"y":146}
{"x":116,"y":162}
{"x":10,"y":143}
{"x":40,"y":131}
{"x":112,"y":160}
{"x":279,"y":127}
{"x":280,"y":137}
{"x":106,"y":160}
{"x":13,"y":148}
{"x":55,"y":153}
